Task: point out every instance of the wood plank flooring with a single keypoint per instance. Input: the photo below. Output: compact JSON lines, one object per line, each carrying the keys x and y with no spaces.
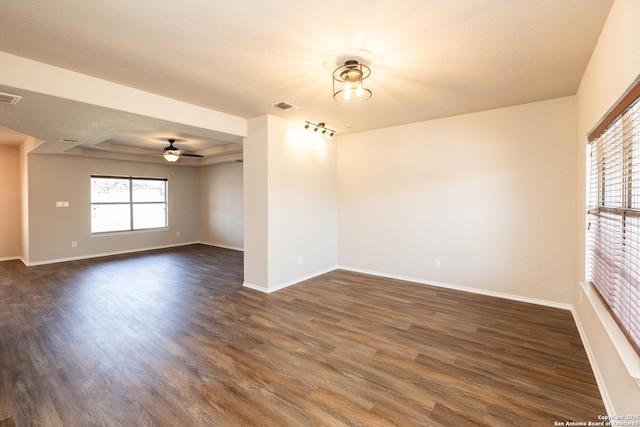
{"x":171,"y":338}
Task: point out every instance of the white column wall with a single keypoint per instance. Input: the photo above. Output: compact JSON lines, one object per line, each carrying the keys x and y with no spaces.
{"x":290,"y":204}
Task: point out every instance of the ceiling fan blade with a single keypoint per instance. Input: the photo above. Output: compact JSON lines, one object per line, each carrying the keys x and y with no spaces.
{"x":179,"y":152}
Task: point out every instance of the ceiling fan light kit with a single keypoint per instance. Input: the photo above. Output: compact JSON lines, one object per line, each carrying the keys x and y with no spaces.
{"x":171,"y":154}
{"x":348,"y":82}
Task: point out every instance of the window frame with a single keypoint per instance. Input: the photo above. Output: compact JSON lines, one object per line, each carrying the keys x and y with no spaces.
{"x":613,"y":209}
{"x":131,"y":204}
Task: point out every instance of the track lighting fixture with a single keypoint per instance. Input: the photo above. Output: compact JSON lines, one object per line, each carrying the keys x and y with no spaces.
{"x":328,"y":133}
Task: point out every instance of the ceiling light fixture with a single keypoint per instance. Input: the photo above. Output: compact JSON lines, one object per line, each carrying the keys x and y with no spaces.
{"x":348,"y":82}
{"x":328,"y":133}
{"x":171,"y":154}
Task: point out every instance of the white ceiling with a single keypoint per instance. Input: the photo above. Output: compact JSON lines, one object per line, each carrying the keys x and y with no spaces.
{"x":73,"y":127}
{"x":429,"y":59}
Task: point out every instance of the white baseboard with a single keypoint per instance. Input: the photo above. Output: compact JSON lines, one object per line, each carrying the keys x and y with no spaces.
{"x":547,"y":303}
{"x":9,"y":258}
{"x":256,"y":287}
{"x":104,"y":254}
{"x":606,"y":399}
{"x":222,"y":246}
{"x":486,"y":292}
{"x":275,"y":288}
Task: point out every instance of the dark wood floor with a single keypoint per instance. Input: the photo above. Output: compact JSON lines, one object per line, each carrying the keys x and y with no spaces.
{"x":171,"y":338}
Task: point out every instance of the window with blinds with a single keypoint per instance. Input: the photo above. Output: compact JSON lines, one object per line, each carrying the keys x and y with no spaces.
{"x":613,"y":236}
{"x":127,"y":203}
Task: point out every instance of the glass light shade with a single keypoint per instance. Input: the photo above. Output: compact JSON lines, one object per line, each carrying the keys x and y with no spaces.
{"x":348,"y":87}
{"x":171,"y":155}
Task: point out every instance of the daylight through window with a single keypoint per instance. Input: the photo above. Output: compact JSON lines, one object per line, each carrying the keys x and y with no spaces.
{"x":127,"y":203}
{"x":613,"y":236}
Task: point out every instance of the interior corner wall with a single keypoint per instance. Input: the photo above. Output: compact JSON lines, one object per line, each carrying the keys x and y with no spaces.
{"x":10,"y":207}
{"x":221,"y":205}
{"x":255,"y":212}
{"x":614,"y":65}
{"x":490,"y":195}
{"x":52,"y":229}
{"x":24,"y":203}
{"x":25,"y":147}
{"x":290,"y":204}
{"x":303,"y":198}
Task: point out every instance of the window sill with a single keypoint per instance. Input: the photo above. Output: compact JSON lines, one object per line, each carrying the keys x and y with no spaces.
{"x":628,"y":355}
{"x":122,"y":233}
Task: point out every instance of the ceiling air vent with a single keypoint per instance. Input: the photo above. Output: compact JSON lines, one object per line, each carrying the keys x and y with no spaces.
{"x":285,"y":106}
{"x":7,"y":98}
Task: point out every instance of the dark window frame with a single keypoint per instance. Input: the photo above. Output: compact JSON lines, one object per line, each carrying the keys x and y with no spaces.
{"x":131,"y":203}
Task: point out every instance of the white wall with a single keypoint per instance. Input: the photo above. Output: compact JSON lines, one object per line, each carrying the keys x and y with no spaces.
{"x":25,"y":147}
{"x":614,"y":65}
{"x":256,"y":218}
{"x":302,"y":202}
{"x":10,"y":202}
{"x":221,"y":205}
{"x":54,"y":178}
{"x":489,"y":194}
{"x":290,"y":204}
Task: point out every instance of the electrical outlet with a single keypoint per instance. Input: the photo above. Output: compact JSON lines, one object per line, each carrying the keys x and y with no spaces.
{"x":178,"y":233}
{"x":437,"y":263}
{"x":299,"y":260}
{"x":74,"y":244}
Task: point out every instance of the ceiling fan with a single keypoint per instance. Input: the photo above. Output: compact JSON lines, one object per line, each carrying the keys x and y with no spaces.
{"x":172,"y":154}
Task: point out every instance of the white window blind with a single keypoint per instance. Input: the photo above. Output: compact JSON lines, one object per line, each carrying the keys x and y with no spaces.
{"x":613,"y":236}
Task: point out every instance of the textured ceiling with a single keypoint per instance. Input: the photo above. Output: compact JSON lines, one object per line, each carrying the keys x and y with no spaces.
{"x":429,"y":59}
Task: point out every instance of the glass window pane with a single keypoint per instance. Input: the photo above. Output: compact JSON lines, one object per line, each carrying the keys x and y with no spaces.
{"x":149,"y":215}
{"x":109,"y":190}
{"x":110,"y":218}
{"x":613,"y":236}
{"x":149,"y":190}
